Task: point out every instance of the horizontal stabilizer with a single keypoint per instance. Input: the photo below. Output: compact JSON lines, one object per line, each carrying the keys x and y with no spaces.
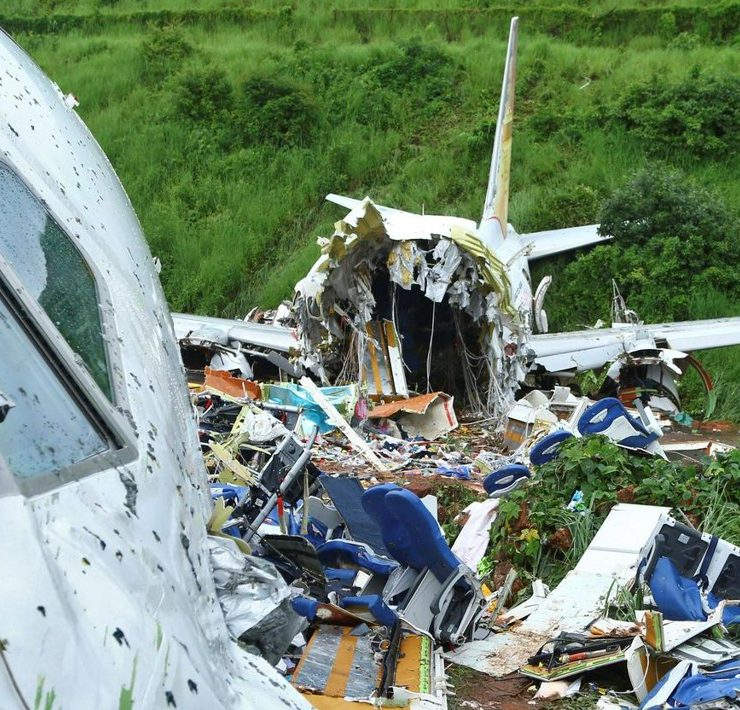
{"x":555,"y":241}
{"x":349,"y":202}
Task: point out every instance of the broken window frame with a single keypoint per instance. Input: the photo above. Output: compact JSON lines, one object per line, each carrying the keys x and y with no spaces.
{"x":79,"y":383}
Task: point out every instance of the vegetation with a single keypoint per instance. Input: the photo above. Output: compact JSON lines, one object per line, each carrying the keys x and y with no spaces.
{"x":542,"y":538}
{"x":228,"y":121}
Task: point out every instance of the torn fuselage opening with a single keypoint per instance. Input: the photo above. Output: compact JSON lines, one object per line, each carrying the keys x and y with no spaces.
{"x":402,"y":315}
{"x":439,"y":344}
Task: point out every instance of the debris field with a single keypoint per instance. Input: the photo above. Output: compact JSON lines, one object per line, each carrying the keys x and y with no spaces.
{"x":370,"y":539}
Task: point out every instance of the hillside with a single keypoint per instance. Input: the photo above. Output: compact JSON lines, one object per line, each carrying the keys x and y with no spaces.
{"x":229,"y":121}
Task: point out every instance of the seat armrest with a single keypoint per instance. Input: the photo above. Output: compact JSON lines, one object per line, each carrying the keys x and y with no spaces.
{"x":447,"y":586}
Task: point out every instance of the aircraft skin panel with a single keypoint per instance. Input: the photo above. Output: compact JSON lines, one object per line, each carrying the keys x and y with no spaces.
{"x":112,"y":591}
{"x":555,"y":241}
{"x":496,"y":204}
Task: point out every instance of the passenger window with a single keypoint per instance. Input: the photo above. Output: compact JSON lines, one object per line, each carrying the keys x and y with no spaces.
{"x":43,"y":428}
{"x":54,"y":272}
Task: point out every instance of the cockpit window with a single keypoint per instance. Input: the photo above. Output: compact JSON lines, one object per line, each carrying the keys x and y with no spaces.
{"x":43,"y":427}
{"x":54,"y":272}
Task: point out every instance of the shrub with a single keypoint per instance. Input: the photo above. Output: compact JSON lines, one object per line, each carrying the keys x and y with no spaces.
{"x":204,"y":95}
{"x":276,"y":111}
{"x":421,"y":67}
{"x":163,"y":51}
{"x":708,"y":493}
{"x":672,"y":240}
{"x":697,"y":115}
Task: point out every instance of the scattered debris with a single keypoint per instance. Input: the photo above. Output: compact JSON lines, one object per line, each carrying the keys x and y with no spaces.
{"x":307,"y":479}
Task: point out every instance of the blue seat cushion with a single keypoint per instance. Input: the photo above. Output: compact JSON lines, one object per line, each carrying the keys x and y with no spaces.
{"x":678,"y":598}
{"x":374,"y":604}
{"x":395,"y":535}
{"x":548,"y":447}
{"x":344,"y":576}
{"x":343,"y":553}
{"x":422,"y":541}
{"x":505,"y":479}
{"x":305,"y":606}
{"x":603,"y":415}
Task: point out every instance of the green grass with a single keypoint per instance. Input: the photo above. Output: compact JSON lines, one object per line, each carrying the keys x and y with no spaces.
{"x":234,"y":218}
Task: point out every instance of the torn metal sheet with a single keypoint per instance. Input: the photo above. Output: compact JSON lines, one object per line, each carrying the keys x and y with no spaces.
{"x":339,"y":297}
{"x":428,"y":415}
{"x":337,"y":420}
{"x":302,"y":397}
{"x":236,"y":388}
{"x":609,"y":561}
{"x":528,"y":606}
{"x":706,"y":651}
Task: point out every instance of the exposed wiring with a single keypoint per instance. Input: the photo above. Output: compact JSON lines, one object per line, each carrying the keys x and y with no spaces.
{"x":429,"y":353}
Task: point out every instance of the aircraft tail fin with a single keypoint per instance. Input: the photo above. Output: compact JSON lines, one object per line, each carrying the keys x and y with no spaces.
{"x":496,"y":205}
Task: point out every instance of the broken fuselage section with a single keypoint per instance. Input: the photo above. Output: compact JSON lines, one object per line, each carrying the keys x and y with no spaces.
{"x":400,"y":309}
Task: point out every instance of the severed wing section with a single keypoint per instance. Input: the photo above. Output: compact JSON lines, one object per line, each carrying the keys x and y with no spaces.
{"x":224,"y":331}
{"x":592,"y":349}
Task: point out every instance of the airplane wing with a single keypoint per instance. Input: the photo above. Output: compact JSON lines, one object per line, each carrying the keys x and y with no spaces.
{"x":223,"y":331}
{"x":592,"y":349}
{"x":554,"y":241}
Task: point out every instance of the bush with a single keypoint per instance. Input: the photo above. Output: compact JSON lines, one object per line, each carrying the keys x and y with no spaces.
{"x":276,"y":111}
{"x":536,"y":532}
{"x":421,"y":67}
{"x":204,"y":95}
{"x":163,"y":51}
{"x":672,"y":241}
{"x":697,"y":115}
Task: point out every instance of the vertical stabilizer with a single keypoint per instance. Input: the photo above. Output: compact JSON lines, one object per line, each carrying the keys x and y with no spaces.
{"x":496,"y":206}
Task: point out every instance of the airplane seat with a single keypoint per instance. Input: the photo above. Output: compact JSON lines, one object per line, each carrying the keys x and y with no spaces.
{"x":505,"y":480}
{"x":610,"y":418}
{"x":548,"y":447}
{"x":433,"y":591}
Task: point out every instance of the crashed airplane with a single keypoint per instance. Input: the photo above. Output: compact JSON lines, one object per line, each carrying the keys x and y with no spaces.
{"x":405,"y":302}
{"x":108,"y":597}
{"x":103,"y":492}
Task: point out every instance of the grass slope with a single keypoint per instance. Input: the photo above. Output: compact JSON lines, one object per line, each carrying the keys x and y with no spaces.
{"x":229,"y":121}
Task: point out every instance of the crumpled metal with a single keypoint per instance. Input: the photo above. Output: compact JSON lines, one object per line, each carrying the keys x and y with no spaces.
{"x":248,"y":588}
